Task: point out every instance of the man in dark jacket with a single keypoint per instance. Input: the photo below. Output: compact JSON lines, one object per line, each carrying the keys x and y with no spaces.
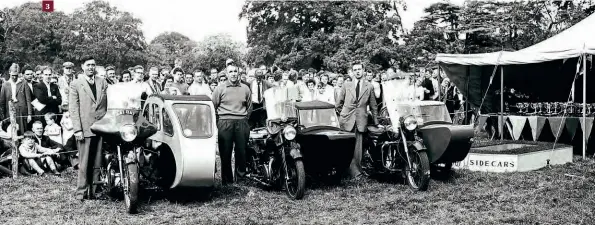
{"x":48,"y":95}
{"x":18,"y":93}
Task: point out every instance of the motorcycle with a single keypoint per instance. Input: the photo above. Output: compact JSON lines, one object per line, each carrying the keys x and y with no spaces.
{"x":274,"y":157}
{"x":124,"y":131}
{"x":397,"y":148}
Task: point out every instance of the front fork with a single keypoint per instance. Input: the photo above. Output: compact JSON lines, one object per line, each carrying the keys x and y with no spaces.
{"x":294,"y":152}
{"x":131,"y":157}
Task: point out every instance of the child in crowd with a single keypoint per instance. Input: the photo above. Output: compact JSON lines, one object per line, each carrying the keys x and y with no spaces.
{"x":52,"y":129}
{"x":34,"y":155}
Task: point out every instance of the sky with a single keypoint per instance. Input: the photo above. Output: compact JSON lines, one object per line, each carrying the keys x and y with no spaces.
{"x":200,"y":18}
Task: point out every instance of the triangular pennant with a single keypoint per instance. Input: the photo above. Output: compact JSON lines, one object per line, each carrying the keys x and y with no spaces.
{"x":557,"y":125}
{"x":536,"y":123}
{"x":505,"y":118}
{"x":518,"y":124}
{"x":572,"y":126}
{"x":588,"y":126}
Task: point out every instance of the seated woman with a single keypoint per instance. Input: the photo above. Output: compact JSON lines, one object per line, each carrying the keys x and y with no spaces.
{"x":34,"y":155}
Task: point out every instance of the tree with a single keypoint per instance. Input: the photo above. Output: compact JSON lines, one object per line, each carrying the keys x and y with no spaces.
{"x":31,"y":37}
{"x":110,"y":35}
{"x":325,"y":34}
{"x":214,"y":50}
{"x":169,"y":46}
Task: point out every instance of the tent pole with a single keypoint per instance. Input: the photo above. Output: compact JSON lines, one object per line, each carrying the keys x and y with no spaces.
{"x":584,"y":106}
{"x":501,"y":125}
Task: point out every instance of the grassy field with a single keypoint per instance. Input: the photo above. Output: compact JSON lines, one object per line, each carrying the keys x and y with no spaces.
{"x":556,"y":195}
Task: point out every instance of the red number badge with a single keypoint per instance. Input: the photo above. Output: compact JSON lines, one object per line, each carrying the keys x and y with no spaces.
{"x":47,"y":5}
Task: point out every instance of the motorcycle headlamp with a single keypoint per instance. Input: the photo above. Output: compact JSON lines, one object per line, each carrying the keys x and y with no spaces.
{"x":128,"y":132}
{"x":289,"y":132}
{"x":410,"y":123}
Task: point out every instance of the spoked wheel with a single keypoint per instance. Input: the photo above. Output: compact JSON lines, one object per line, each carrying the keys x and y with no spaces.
{"x":296,"y":184}
{"x":418,"y":176}
{"x":131,"y":186}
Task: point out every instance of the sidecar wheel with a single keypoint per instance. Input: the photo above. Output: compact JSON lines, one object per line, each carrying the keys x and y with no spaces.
{"x":418,"y":176}
{"x":296,"y":185}
{"x":131,"y":197}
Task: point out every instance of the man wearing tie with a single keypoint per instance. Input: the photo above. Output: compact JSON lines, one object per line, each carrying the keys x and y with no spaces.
{"x":88,"y":103}
{"x":258,"y":87}
{"x":353,"y":102}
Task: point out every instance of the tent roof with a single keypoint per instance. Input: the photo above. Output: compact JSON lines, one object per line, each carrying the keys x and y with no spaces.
{"x":569,"y":43}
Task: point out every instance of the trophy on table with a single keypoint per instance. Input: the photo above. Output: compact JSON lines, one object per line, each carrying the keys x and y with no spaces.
{"x":548,"y":107}
{"x":578,"y":108}
{"x":539,"y":108}
{"x":569,"y":108}
{"x":534,"y":107}
{"x":556,"y":108}
{"x":520,"y":107}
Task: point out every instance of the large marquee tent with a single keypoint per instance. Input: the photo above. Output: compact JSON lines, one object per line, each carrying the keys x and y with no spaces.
{"x":553,"y":62}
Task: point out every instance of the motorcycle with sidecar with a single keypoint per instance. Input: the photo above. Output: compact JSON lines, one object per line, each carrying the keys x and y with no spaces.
{"x":300,"y":139}
{"x":155,"y":145}
{"x":417,"y":137}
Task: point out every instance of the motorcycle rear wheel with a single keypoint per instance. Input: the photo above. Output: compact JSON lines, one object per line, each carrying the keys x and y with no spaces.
{"x":131,"y":196}
{"x":418,"y":176}
{"x":296,"y":185}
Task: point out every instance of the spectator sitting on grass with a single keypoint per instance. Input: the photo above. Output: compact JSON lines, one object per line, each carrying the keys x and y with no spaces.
{"x":34,"y":155}
{"x":46,"y":142}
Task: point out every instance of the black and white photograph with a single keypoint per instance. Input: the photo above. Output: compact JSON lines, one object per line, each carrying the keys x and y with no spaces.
{"x":297,"y":112}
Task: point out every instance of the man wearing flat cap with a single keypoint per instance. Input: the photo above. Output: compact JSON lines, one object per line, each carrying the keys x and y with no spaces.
{"x":64,"y":83}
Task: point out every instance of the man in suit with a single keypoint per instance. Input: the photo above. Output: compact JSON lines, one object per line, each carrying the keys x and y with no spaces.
{"x":353,"y":102}
{"x":18,"y":92}
{"x":87,"y":104}
{"x":257,"y":88}
{"x":47,"y":94}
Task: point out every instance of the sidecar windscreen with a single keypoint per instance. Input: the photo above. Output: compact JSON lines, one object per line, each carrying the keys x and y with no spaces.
{"x":278,"y":103}
{"x":124,"y":96}
{"x":195,"y":119}
{"x":317,"y":113}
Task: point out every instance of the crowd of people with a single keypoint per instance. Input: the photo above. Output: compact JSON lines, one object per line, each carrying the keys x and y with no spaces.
{"x":54,"y":111}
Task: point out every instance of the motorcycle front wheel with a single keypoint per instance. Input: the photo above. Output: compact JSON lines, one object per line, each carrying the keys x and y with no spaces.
{"x":131,"y":196}
{"x":418,"y":176}
{"x":296,"y":184}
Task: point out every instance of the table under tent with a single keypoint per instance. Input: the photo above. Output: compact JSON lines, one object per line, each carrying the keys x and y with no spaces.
{"x":551,"y":72}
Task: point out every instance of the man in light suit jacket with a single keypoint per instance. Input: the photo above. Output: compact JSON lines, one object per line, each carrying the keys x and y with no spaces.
{"x":18,"y":92}
{"x":48,"y":94}
{"x":353,"y":102}
{"x":87,"y":104}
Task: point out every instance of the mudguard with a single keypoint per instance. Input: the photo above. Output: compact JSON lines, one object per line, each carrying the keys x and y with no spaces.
{"x":419,"y":146}
{"x":295,"y":152}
